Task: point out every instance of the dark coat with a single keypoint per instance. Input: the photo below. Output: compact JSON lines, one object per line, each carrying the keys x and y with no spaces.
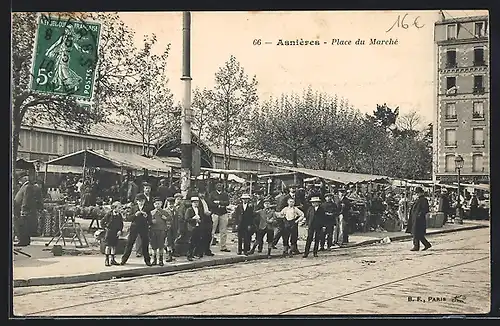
{"x":189,"y":219}
{"x":112,"y":224}
{"x":221,"y":207}
{"x":25,"y":201}
{"x":143,"y":221}
{"x":417,"y":223}
{"x":244,"y":218}
{"x":315,"y":218}
{"x":345,"y":207}
{"x":444,"y":204}
{"x":331,"y":212}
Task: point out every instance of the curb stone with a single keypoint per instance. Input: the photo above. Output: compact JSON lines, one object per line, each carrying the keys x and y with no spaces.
{"x":112,"y":274}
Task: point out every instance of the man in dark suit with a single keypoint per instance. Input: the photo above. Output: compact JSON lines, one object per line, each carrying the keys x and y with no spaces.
{"x":344,"y":216}
{"x":315,"y":217}
{"x":292,"y":193}
{"x":417,"y":224}
{"x":244,"y":217}
{"x":205,"y":227}
{"x":24,"y":210}
{"x":148,"y":207}
{"x":219,"y":200}
{"x":331,"y":212}
{"x":192,"y":219}
{"x":141,"y":221}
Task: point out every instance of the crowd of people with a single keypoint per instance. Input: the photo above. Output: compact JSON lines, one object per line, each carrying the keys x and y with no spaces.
{"x":166,"y":226}
{"x":172,"y":226}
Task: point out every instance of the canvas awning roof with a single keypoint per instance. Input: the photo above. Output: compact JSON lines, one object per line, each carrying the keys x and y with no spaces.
{"x":339,"y":177}
{"x":25,"y":164}
{"x":111,"y":159}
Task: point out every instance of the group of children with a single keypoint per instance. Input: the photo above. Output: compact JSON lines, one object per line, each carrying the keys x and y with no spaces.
{"x":155,"y":227}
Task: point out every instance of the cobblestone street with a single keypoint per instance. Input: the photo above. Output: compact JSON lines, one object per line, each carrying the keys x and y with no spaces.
{"x":453,"y":277}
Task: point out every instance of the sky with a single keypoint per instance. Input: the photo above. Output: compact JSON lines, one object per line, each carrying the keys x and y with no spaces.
{"x":401,"y":75}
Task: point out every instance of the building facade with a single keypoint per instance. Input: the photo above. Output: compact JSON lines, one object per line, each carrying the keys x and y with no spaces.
{"x":462,"y":119}
{"x":43,"y":142}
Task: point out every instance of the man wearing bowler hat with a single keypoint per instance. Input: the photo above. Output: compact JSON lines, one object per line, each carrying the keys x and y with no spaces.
{"x":141,"y":222}
{"x":330,"y":221}
{"x":148,"y":207}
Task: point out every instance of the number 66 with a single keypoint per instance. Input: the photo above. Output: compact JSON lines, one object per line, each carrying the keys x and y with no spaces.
{"x":43,"y":78}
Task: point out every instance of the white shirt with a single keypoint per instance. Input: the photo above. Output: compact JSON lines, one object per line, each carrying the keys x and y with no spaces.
{"x":245,"y":207}
{"x":291,"y":213}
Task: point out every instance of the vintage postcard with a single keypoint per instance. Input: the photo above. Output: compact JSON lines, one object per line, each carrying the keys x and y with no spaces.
{"x":250,"y":163}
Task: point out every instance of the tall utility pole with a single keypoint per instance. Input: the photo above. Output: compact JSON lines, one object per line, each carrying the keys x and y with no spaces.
{"x":187,"y":116}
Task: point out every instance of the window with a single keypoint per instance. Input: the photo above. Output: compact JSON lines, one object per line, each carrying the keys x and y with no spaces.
{"x":477,"y":110}
{"x":478,"y":85}
{"x":450,"y":163}
{"x":451,"y":112}
{"x":477,"y":163}
{"x":450,"y":137}
{"x":451,"y":59}
{"x":451,"y":85}
{"x":478,"y":136}
{"x":478,"y":57}
{"x":479,"y":30}
{"x":451,"y":32}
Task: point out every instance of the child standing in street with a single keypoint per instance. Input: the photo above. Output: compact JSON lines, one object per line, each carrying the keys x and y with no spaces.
{"x":158,"y":231}
{"x":171,"y":231}
{"x":113,"y":224}
{"x":266,"y":221}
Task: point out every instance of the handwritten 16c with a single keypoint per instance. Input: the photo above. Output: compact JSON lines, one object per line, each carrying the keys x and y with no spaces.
{"x":400,"y":22}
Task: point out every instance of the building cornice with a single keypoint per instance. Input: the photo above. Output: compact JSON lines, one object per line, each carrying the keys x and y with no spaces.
{"x":468,"y":19}
{"x":464,"y":69}
{"x":472,"y":40}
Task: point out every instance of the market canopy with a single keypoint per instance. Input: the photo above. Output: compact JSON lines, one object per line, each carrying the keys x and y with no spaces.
{"x":111,"y":159}
{"x":24,"y":164}
{"x":339,"y":177}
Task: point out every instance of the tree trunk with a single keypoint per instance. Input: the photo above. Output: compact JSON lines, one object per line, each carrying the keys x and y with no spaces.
{"x":15,"y":147}
{"x":324,"y":157}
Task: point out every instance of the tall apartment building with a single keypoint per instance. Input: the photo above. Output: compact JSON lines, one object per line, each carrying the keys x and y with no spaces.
{"x":463,"y":88}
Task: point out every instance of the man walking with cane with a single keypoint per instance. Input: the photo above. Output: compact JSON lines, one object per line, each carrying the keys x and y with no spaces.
{"x":417,"y":224}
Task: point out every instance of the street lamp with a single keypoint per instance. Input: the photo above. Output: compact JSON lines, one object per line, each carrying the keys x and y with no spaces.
{"x":459,"y":164}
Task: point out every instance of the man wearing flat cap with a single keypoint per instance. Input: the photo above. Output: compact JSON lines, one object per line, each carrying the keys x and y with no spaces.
{"x":265,"y":221}
{"x":24,"y":210}
{"x":417,"y":223}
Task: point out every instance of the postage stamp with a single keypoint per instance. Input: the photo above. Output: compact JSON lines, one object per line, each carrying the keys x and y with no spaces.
{"x":65,"y":58}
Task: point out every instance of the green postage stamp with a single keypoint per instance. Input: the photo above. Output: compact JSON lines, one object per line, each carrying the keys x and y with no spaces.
{"x":65,"y":58}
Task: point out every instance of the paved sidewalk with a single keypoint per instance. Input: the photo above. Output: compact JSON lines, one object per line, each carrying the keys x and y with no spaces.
{"x":88,"y":266}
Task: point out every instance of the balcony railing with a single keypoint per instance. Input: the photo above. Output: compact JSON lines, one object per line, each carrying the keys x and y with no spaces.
{"x":450,"y":65}
{"x":479,"y":63}
{"x":450,"y":143}
{"x":477,"y":115}
{"x":450,"y":117}
{"x":478,"y":90}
